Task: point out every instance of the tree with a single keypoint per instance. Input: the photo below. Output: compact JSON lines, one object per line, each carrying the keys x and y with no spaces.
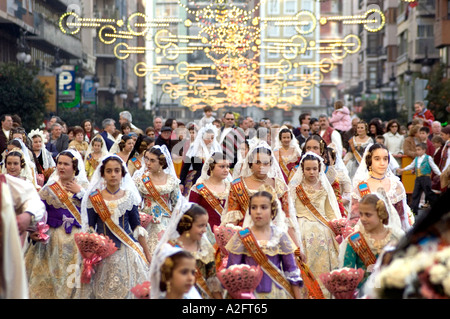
{"x":438,"y":96}
{"x":23,"y":94}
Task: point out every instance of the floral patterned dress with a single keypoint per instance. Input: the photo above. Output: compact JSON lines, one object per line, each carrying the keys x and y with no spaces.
{"x":169,"y":192}
{"x":319,"y":243}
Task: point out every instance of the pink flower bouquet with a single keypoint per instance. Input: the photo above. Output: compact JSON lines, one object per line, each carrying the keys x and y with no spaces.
{"x":342,"y":283}
{"x":145,"y":219}
{"x":93,"y":248}
{"x":142,"y":291}
{"x":241,"y":280}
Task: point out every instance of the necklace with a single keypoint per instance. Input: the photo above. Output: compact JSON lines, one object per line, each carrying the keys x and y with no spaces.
{"x":113,"y":193}
{"x":378,"y":179}
{"x":259,"y":180}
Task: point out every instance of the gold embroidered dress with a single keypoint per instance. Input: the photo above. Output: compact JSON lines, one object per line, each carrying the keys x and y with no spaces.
{"x":320,"y":246}
{"x":169,"y":192}
{"x":125,"y":268}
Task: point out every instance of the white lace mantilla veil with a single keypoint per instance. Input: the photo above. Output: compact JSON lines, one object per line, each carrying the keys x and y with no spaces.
{"x":81,"y":178}
{"x":97,"y":182}
{"x":339,"y":163}
{"x":27,"y":171}
{"x":362,"y":174}
{"x":274,"y":171}
{"x":394,"y":225}
{"x":199,"y":147}
{"x":164,"y":250}
{"x":298,"y":178}
{"x":204,"y":175}
{"x":47,"y":159}
{"x":294,"y":142}
{"x":90,"y":147}
{"x":169,"y":170}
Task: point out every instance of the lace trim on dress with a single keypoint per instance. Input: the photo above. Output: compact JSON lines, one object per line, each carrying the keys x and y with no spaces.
{"x":49,"y":196}
{"x":279,"y":244}
{"x":206,"y":252}
{"x":117,"y":207}
{"x":163,"y":189}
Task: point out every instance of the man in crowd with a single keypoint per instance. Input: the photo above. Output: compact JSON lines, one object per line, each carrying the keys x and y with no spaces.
{"x":157,"y":125}
{"x":58,"y":141}
{"x":230,"y":138}
{"x":329,"y":134}
{"x":109,"y":127}
{"x":304,"y":134}
{"x":304,"y":118}
{"x":7,"y":123}
{"x":126,"y":117}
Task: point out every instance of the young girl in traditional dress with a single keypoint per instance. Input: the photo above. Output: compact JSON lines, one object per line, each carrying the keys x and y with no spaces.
{"x":261,"y":242}
{"x":43,"y":158}
{"x":51,"y":265}
{"x":315,"y":205}
{"x":316,"y":144}
{"x":287,"y":152}
{"x":212,"y":188}
{"x":188,"y":229}
{"x":96,"y":150}
{"x":172,"y":274}
{"x":110,"y":207}
{"x":357,"y":145}
{"x":159,"y":187}
{"x":376,"y":228}
{"x":373,"y":173}
{"x":204,"y":145}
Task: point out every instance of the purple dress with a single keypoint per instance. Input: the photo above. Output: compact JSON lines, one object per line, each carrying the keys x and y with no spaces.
{"x":280,"y":251}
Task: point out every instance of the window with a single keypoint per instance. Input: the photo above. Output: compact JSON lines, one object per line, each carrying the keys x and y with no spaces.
{"x":290,"y":7}
{"x":425,"y":31}
{"x":273,"y":7}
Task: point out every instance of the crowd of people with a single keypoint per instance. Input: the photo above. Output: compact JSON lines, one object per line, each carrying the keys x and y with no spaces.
{"x":176,"y":209}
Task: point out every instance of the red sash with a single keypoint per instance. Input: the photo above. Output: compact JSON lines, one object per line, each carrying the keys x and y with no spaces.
{"x":327,"y":135}
{"x":155,"y":195}
{"x":361,"y":248}
{"x":354,"y":151}
{"x":136,"y":162}
{"x":305,"y":201}
{"x":241,"y":193}
{"x":251,"y":244}
{"x":64,"y":198}
{"x":102,"y":210}
{"x":210,"y":198}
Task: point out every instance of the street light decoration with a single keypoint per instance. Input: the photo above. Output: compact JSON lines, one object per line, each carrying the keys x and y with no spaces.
{"x":236,"y":41}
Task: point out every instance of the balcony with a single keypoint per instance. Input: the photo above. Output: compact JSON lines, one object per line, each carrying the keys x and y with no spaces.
{"x":441,"y":34}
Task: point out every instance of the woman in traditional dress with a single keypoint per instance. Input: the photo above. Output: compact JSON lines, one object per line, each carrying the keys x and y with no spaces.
{"x":96,"y":150}
{"x":264,"y":241}
{"x":188,"y":229}
{"x":172,"y":274}
{"x":287,"y":152}
{"x":315,"y":205}
{"x":126,"y":146}
{"x":89,"y":130}
{"x":374,"y":173}
{"x":51,"y":266}
{"x":17,"y":164}
{"x":43,"y":158}
{"x":260,"y":168}
{"x":204,"y":146}
{"x":316,"y":144}
{"x":377,"y":228}
{"x":110,"y":208}
{"x":357,"y":145}
{"x":136,"y":161}
{"x":159,"y":187}
{"x":175,"y":277}
{"x":212,"y":188}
